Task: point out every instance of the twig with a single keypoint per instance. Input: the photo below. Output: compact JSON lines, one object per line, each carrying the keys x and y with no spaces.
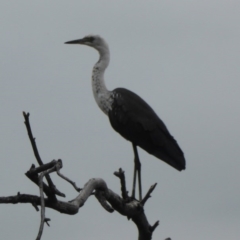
{"x":153,"y":227}
{"x":46,"y":220}
{"x":58,"y":166}
{"x":43,"y":219}
{"x":42,"y":206}
{"x":120,"y":174}
{"x":31,"y":138}
{"x":35,"y":206}
{"x":32,"y":174}
{"x":147,"y":196}
{"x":37,"y":155}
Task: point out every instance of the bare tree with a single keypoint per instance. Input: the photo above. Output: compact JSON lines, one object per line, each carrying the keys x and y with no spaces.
{"x":108,"y":199}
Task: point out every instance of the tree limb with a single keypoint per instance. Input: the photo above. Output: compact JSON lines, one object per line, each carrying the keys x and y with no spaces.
{"x":133,"y":210}
{"x":109,"y":200}
{"x":37,"y":155}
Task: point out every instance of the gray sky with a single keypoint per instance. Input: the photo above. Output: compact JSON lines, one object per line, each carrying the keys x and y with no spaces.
{"x":182,"y":57}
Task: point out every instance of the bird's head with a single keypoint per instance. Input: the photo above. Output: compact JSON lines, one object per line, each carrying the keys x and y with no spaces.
{"x":94,"y":41}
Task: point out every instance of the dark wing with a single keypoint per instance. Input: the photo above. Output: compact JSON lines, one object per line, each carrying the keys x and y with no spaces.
{"x":136,"y":121}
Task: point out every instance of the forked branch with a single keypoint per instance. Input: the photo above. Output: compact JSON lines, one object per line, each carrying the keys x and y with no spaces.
{"x":109,"y":200}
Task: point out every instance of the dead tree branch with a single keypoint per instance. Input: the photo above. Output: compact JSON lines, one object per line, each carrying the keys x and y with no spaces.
{"x":109,"y":200}
{"x":37,"y":155}
{"x":133,"y":210}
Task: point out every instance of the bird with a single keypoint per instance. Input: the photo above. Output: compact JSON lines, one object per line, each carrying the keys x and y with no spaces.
{"x":131,"y":116}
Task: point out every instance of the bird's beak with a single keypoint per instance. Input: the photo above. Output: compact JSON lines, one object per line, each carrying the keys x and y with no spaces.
{"x":78,"y":41}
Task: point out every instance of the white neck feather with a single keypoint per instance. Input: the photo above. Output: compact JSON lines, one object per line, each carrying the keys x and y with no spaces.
{"x":102,"y":96}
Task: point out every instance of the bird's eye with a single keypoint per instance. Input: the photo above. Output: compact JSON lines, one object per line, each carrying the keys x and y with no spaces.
{"x":90,"y":39}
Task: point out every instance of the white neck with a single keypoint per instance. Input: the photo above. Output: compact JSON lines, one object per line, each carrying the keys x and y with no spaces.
{"x":102,"y":96}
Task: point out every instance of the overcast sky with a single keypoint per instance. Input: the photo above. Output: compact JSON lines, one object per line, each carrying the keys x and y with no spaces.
{"x":181,"y":56}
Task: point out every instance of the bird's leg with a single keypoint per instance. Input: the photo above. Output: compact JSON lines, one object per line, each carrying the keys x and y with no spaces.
{"x":134,"y":179}
{"x":137,"y":170}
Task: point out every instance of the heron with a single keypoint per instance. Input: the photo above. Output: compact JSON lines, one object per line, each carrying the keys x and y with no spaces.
{"x":131,"y":116}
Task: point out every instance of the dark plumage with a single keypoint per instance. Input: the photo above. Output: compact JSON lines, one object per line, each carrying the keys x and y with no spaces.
{"x":131,"y":116}
{"x":136,"y":121}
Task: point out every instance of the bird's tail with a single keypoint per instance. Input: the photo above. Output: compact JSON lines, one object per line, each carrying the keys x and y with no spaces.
{"x":172,"y":155}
